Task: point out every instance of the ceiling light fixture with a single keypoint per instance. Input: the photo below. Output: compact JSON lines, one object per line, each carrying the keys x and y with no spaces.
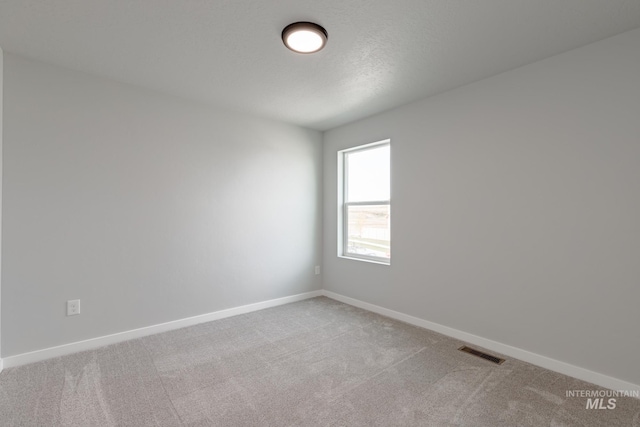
{"x":304,"y":37}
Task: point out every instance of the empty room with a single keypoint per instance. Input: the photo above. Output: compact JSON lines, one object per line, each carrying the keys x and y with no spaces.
{"x":336,"y":213}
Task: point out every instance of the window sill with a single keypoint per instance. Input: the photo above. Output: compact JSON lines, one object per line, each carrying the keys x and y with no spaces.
{"x":371,"y":261}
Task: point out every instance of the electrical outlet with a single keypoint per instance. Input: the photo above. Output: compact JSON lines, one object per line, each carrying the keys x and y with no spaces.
{"x":73,"y":307}
{"x":317,"y":269}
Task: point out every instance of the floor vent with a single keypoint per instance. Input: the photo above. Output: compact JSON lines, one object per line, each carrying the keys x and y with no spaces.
{"x":485,"y":356}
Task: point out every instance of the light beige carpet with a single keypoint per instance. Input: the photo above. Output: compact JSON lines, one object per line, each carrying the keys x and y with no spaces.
{"x":313,"y":363}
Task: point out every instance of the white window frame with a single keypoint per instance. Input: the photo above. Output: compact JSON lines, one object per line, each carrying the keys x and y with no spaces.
{"x":343,"y":205}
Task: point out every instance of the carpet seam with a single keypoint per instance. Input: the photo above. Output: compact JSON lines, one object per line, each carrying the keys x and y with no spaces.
{"x":270,"y":363}
{"x":155,"y":368}
{"x":377,"y":374}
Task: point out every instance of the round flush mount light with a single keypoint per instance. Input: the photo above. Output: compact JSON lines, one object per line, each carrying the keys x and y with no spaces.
{"x":304,"y":37}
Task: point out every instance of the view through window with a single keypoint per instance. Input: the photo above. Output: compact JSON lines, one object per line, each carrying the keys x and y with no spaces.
{"x":366,"y":208}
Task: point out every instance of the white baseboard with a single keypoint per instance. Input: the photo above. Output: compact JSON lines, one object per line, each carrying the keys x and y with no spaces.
{"x":517,"y":353}
{"x":90,"y":344}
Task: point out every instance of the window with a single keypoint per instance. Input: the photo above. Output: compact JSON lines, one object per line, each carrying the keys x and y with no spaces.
{"x":365,"y":202}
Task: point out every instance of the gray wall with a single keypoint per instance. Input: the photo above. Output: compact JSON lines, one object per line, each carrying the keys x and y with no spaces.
{"x":147,"y":208}
{"x":515,"y":208}
{"x":1,"y":162}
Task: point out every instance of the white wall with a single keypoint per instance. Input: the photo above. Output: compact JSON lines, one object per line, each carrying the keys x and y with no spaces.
{"x":515,"y":209}
{"x":147,"y":208}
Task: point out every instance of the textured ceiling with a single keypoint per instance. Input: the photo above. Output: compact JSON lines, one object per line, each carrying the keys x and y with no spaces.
{"x":381,"y":53}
